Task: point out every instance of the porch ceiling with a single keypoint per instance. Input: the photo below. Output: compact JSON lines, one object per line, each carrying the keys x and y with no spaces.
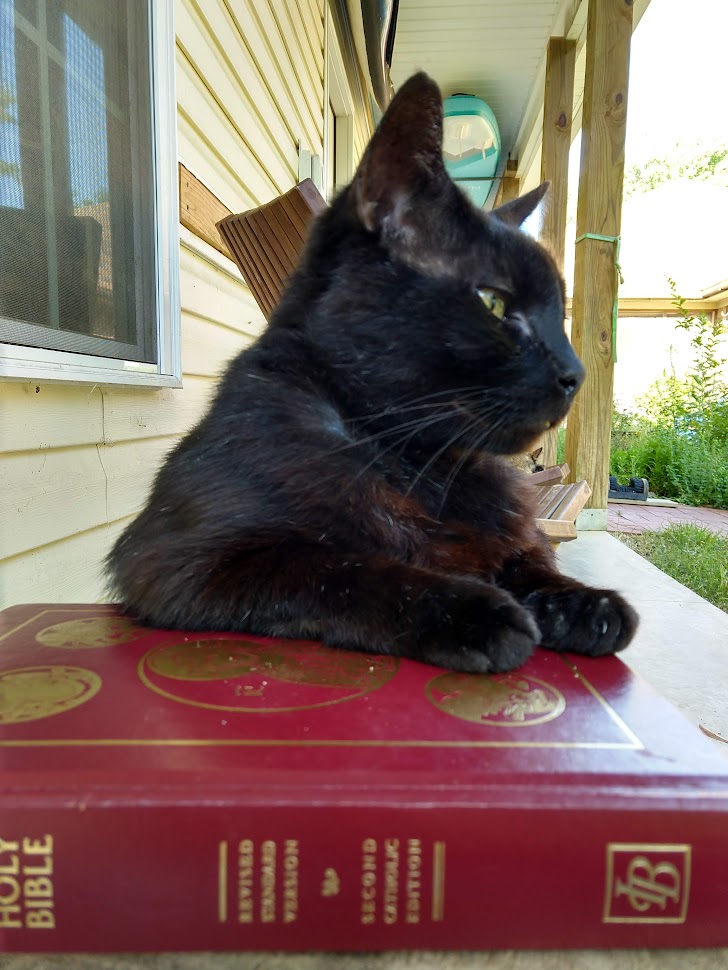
{"x":495,"y":50}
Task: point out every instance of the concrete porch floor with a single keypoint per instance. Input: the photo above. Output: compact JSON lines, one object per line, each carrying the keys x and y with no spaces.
{"x":681,"y":648}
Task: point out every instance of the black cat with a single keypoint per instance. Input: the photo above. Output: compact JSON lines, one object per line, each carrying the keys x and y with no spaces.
{"x":344,"y":485}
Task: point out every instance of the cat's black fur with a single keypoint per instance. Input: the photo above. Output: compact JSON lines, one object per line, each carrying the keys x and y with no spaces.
{"x":345,"y":483}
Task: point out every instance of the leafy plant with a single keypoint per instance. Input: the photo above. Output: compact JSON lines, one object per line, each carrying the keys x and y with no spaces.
{"x":679,"y":438}
{"x":687,"y":402}
{"x":707,"y":164}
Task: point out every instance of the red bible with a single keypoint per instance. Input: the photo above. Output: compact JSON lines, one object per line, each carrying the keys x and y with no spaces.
{"x":187,"y":791}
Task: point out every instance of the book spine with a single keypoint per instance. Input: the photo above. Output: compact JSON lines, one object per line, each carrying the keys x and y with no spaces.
{"x":109,"y":877}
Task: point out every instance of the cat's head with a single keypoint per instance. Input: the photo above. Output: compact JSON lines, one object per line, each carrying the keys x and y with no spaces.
{"x":421,"y":294}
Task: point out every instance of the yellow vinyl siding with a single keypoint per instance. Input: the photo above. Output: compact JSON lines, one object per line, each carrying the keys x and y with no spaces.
{"x":76,"y":461}
{"x":362,"y":134}
{"x":67,"y":571}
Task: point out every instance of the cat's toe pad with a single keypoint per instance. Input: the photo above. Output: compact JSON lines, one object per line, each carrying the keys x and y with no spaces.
{"x":583,"y":620}
{"x":480,"y":630}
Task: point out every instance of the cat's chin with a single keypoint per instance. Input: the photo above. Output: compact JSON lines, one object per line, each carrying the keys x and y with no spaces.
{"x":519,"y":443}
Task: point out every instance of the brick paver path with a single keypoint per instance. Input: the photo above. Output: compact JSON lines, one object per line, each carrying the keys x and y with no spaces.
{"x":650,"y":518}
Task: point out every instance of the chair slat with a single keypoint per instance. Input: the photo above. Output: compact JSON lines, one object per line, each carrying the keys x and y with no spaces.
{"x":267,"y":242}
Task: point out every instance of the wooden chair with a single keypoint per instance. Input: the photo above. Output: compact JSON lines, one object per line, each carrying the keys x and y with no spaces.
{"x":267,"y":243}
{"x":558,"y":504}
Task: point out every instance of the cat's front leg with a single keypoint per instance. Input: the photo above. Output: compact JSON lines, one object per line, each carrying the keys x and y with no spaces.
{"x":470,"y":626}
{"x":570,"y":615}
{"x":381,"y":606}
{"x":358,"y":602}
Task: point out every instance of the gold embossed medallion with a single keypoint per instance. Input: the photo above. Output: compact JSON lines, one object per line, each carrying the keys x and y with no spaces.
{"x":95,"y":631}
{"x":496,"y":700}
{"x":245,"y":675}
{"x":32,"y":693}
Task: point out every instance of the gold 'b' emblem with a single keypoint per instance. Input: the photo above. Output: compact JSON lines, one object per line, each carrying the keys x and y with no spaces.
{"x":647,"y":883}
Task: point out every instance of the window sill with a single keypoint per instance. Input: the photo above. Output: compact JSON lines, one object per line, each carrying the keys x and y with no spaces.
{"x":28,"y":364}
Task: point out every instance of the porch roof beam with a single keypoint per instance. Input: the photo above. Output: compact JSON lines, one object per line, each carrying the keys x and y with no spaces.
{"x":663,"y":306}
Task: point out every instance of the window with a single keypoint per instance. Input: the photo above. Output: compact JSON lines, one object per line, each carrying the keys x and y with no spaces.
{"x":88,"y":221}
{"x":339,"y":116}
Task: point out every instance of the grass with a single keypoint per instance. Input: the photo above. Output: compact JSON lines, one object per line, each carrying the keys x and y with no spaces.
{"x":694,"y":556}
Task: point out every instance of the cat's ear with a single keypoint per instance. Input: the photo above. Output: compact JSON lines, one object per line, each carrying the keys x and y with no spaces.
{"x":515,"y":212}
{"x":404,"y":157}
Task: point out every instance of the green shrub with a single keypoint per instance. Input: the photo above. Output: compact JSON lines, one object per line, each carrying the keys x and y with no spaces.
{"x":679,"y":438}
{"x":689,"y":470}
{"x":560,"y":444}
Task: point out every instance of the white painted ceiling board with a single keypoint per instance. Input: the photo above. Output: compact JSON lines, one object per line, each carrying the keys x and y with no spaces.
{"x":490,"y":49}
{"x":495,"y":50}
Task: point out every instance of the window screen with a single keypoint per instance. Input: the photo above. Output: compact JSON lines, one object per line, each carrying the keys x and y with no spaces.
{"x":77,"y":254}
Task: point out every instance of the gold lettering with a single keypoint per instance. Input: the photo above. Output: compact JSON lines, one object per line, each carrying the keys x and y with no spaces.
{"x":10,"y":918}
{"x":268,"y":882}
{"x":34,"y":888}
{"x":413,"y":883}
{"x":8,"y":898}
{"x":41,"y":919}
{"x":368,"y":891}
{"x":245,"y":881}
{"x":391,"y":880}
{"x":28,"y":901}
{"x":45,"y":870}
{"x":38,"y":847}
{"x":11,"y":868}
{"x":290,"y":881}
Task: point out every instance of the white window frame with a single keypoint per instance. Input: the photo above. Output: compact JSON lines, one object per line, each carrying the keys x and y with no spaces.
{"x":22,"y":363}
{"x":338,"y":93}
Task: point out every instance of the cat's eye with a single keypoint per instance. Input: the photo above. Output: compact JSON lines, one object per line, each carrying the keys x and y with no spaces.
{"x":495,"y":302}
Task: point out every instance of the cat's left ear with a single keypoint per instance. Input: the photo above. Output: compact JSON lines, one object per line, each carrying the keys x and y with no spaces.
{"x":515,"y":212}
{"x":403,"y":158}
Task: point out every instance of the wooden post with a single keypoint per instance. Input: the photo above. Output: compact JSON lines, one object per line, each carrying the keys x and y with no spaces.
{"x":510,"y":185}
{"x":556,"y":142}
{"x":599,"y":212}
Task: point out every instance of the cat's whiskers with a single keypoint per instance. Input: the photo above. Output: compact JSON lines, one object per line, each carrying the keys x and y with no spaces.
{"x":406,"y":431}
{"x":463,"y":458}
{"x":401,"y":443}
{"x":441,"y":451}
{"x":416,"y":423}
{"x":470,"y":451}
{"x":477,"y":417}
{"x":406,"y":404}
{"x":421,"y":423}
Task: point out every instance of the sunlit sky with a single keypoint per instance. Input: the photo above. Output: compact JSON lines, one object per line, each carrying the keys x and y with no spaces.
{"x":678,"y":95}
{"x":678,"y":84}
{"x":677,"y":102}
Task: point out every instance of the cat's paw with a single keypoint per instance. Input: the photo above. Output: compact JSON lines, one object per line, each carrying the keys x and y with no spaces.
{"x":474,"y":628}
{"x":583,"y":620}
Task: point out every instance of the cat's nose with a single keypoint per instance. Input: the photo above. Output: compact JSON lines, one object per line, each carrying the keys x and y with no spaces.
{"x":572,"y":379}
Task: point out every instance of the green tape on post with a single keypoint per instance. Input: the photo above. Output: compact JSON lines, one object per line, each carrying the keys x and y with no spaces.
{"x":617,"y":242}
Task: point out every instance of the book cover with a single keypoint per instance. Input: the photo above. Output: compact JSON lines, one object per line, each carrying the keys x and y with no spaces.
{"x":177,"y":791}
